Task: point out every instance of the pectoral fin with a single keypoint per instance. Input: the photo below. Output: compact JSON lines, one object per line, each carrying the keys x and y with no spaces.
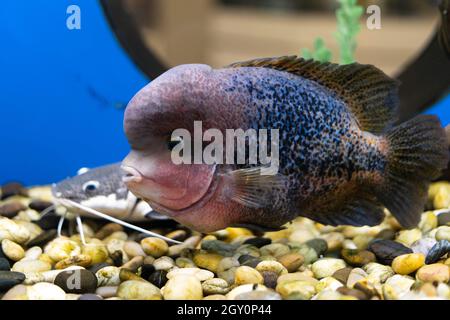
{"x":254,"y":188}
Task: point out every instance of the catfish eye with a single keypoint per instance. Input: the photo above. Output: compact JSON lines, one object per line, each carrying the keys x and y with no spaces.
{"x":91,"y":186}
{"x":172,"y":143}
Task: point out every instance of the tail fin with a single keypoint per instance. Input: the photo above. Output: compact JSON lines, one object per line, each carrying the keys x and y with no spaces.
{"x":418,"y":152}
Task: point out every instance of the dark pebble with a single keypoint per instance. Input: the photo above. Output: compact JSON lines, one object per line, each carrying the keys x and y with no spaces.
{"x":39,"y":205}
{"x":146,"y":271}
{"x":270,"y":279}
{"x":42,"y":239}
{"x":388,"y":250}
{"x":158,"y":278}
{"x":9,"y":279}
{"x":220,"y":247}
{"x":444,"y":219}
{"x":342,"y":275}
{"x":2,"y":255}
{"x":90,"y":296}
{"x":358,"y":294}
{"x":258,"y":242}
{"x":12,"y":189}
{"x":76,"y":281}
{"x":4,"y":264}
{"x":249,"y":261}
{"x":49,"y":221}
{"x":10,"y":210}
{"x":440,"y":249}
{"x":94,"y":268}
{"x":117,"y":258}
{"x":386,"y":234}
{"x":319,"y":245}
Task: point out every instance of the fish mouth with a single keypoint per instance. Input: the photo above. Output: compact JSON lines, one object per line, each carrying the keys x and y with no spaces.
{"x":56,"y":194}
{"x":191,"y":208}
{"x":135,"y":176}
{"x":131,"y":174}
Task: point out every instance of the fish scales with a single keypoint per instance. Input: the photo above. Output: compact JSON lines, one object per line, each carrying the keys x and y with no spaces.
{"x":321,"y":146}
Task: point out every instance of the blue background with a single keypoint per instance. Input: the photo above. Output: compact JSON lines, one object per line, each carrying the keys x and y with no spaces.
{"x":63,"y":91}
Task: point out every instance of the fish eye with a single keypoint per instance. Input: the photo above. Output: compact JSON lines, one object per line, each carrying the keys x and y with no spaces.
{"x":173,"y":142}
{"x":91,"y":186}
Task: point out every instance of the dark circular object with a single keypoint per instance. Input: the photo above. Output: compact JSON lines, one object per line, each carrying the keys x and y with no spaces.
{"x":49,"y":221}
{"x":249,"y":261}
{"x":76,"y":281}
{"x":258,"y":241}
{"x":387,"y":250}
{"x":117,"y":258}
{"x":158,"y":278}
{"x":320,"y":246}
{"x":147,"y":270}
{"x":39,"y":205}
{"x":42,"y":239}
{"x":440,"y":249}
{"x":10,"y":210}
{"x":9,"y":279}
{"x":270,"y":279}
{"x":4,"y":264}
{"x":13,"y":189}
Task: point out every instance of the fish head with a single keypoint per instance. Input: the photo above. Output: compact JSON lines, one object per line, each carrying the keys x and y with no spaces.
{"x":191,"y":193}
{"x":101,"y":189}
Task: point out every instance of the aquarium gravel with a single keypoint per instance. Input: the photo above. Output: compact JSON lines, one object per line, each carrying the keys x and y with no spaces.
{"x":305,"y":261}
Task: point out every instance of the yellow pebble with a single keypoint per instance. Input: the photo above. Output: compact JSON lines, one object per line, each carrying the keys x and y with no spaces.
{"x":237,"y":232}
{"x":45,"y":258}
{"x":408,"y":263}
{"x":12,"y":250}
{"x":208,"y":261}
{"x":155,"y":247}
{"x":246,"y":275}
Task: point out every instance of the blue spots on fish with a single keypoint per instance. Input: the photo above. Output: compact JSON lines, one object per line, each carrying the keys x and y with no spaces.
{"x":317,"y":131}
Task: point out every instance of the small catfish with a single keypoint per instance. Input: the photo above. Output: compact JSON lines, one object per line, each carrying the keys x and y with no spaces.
{"x":102,"y":189}
{"x":342,"y":159}
{"x":101,"y":193}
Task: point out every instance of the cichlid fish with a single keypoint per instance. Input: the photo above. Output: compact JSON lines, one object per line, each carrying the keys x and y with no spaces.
{"x":342,"y":159}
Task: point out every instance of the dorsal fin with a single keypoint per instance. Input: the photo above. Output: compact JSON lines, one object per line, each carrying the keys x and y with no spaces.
{"x":369,"y":93}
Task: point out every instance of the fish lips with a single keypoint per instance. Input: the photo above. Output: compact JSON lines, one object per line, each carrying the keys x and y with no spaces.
{"x":173,"y":201}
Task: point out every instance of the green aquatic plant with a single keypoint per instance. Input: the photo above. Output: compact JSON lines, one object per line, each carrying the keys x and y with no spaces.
{"x":321,"y":52}
{"x":348,"y":18}
{"x":348,"y":26}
